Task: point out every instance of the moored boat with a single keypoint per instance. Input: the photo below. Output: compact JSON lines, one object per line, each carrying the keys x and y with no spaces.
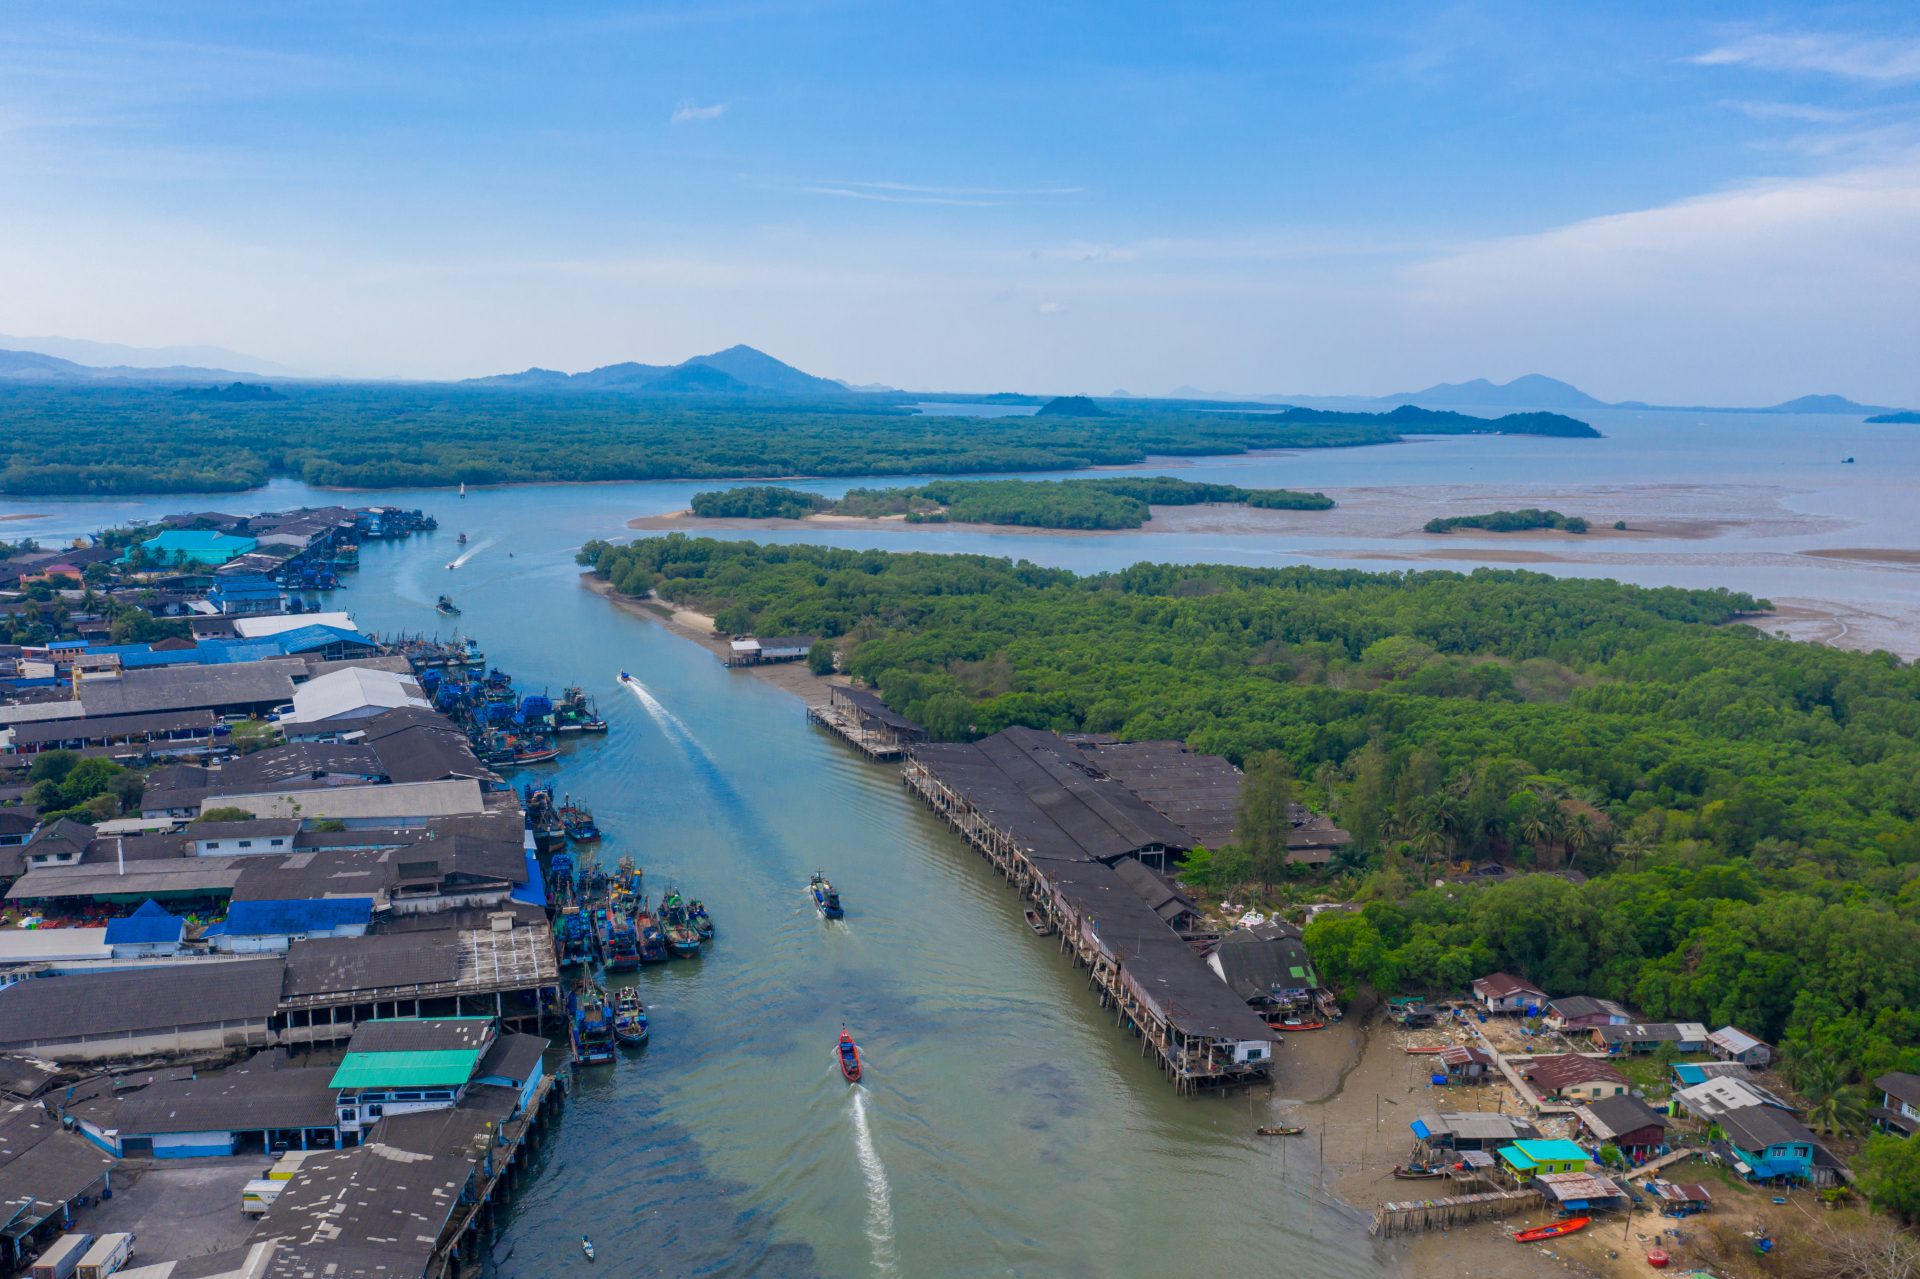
{"x":1418,"y":1172}
{"x":1295,"y":1023}
{"x":1553,"y":1229}
{"x":683,"y":939}
{"x":629,"y":1017}
{"x":578,"y":822}
{"x":446,"y":605}
{"x":702,"y":922}
{"x":592,"y":1024}
{"x":825,"y":899}
{"x":1279,"y":1130}
{"x":1037,"y":922}
{"x":848,"y":1055}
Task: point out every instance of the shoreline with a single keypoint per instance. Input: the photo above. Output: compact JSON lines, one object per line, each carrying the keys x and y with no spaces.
{"x":790,"y":677}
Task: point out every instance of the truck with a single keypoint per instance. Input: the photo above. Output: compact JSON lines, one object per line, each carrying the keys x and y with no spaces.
{"x":108,"y":1254}
{"x":61,"y":1259}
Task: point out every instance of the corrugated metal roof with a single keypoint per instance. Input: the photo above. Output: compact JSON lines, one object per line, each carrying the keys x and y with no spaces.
{"x":287,"y":918}
{"x":151,"y":923}
{"x":433,"y":1069}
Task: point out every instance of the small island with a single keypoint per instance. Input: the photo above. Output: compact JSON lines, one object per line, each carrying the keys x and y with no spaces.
{"x":1527,"y":518}
{"x":1904,"y":417}
{"x":1070,"y":406}
{"x":1119,"y":502}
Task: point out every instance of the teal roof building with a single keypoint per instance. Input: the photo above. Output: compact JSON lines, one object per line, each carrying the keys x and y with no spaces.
{"x":202,"y":546}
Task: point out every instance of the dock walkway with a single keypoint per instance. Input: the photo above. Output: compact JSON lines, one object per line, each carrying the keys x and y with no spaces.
{"x":846,"y":725}
{"x":1441,"y":1214}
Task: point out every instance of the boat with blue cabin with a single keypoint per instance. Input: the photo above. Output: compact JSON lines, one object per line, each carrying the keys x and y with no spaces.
{"x":825,"y":899}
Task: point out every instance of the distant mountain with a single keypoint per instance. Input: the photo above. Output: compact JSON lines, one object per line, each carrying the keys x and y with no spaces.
{"x":1529,"y":391}
{"x":1824,"y":404}
{"x":738,"y":370}
{"x":112,"y":354}
{"x":1070,"y":406}
{"x":31,"y":366}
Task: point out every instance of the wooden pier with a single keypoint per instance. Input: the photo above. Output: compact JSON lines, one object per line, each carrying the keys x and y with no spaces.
{"x":846,"y":725}
{"x":1192,"y":1062}
{"x":1441,"y":1214}
{"x":500,"y":1152}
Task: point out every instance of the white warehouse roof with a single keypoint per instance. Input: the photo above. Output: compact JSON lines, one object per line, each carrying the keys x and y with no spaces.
{"x":356,"y":690}
{"x":261,"y":627}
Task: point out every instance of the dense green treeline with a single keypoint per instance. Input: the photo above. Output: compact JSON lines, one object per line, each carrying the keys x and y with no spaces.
{"x":1527,"y":517}
{"x":1105,"y":503}
{"x":122,"y":439}
{"x":1746,"y":806}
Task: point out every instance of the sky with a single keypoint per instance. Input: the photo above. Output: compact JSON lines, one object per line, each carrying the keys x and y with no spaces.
{"x":1700,"y":203}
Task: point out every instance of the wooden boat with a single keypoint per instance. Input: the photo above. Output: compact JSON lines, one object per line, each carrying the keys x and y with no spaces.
{"x":537,"y":755}
{"x":848,"y":1054}
{"x":578,"y":822}
{"x":702,"y":922}
{"x":446,"y":605}
{"x":1037,"y":922}
{"x":1553,"y":1230}
{"x":629,"y":1017}
{"x":683,"y":940}
{"x":592,"y":1025}
{"x":586,"y":1244}
{"x":1279,"y":1130}
{"x":1295,"y":1023}
{"x":1417,"y":1172}
{"x":825,"y":899}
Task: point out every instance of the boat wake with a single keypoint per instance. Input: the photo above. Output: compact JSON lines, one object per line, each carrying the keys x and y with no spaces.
{"x":472,"y":551}
{"x":671,"y":725}
{"x":879,"y":1195}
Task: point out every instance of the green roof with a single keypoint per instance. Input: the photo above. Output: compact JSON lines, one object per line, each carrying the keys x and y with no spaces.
{"x":1523,"y":1154}
{"x":446,"y":1067}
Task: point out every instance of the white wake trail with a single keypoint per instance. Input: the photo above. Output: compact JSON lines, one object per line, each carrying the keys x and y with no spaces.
{"x":472,"y":551}
{"x":670,"y":724}
{"x":879,"y":1195}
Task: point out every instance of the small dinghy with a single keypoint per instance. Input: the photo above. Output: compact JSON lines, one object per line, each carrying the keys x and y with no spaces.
{"x":629,"y":1017}
{"x":586,"y":1244}
{"x":1553,"y":1230}
{"x":1279,"y":1130}
{"x":1417,"y":1172}
{"x":1037,"y":922}
{"x":848,"y":1054}
{"x":1295,"y":1023}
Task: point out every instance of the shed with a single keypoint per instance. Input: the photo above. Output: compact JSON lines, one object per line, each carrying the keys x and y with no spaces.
{"x":1730,"y":1043}
{"x":1266,"y":963}
{"x":1579,"y":1191}
{"x":150,"y":930}
{"x":1466,"y":1063}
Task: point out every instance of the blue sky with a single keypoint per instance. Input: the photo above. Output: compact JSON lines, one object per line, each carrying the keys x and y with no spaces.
{"x":1699,"y":203}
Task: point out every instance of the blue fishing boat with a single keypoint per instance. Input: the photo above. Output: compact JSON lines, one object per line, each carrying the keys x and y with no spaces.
{"x":701,"y":921}
{"x":653,"y":939}
{"x":683,"y":940}
{"x":577,"y":821}
{"x":825,"y":899}
{"x":592,"y":1024}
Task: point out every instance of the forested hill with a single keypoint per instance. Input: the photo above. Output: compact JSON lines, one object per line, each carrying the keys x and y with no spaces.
{"x":1746,"y":806}
{"x":131,"y":439}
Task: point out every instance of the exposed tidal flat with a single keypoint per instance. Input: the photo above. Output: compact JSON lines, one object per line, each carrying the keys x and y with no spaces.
{"x":1007,"y":1126}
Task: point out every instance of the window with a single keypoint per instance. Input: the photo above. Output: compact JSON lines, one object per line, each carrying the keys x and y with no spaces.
{"x":246,"y":843}
{"x":212,"y":844}
{"x":374,"y":1112}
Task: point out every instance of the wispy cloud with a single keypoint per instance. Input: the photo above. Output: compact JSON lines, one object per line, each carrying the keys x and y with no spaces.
{"x":978,"y":197}
{"x":693,"y":113}
{"x":1852,"y":57}
{"x":1800,"y":111}
{"x":1051,"y":308}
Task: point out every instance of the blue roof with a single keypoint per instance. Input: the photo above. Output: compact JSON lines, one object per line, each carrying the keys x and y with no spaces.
{"x":275,"y":918}
{"x":1689,"y":1073}
{"x":151,"y":923}
{"x":317,"y":636}
{"x":534,"y":891}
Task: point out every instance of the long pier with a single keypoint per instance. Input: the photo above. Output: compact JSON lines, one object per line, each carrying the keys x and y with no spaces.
{"x":1189,"y":1061}
{"x":846,"y":726}
{"x":1440,"y":1214}
{"x":501,"y":1151}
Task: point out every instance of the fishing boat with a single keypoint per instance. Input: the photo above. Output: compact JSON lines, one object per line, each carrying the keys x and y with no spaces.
{"x":592,"y":1024}
{"x":446,"y":605}
{"x":683,"y":939}
{"x":825,"y":899}
{"x":1415,"y":1052}
{"x":1418,"y":1172}
{"x":701,"y":921}
{"x":621,"y":949}
{"x":1279,"y":1130}
{"x":653,"y":941}
{"x":1295,"y":1023}
{"x":848,"y":1054}
{"x":629,"y":1017}
{"x":461,"y":540}
{"x":586,"y":1244}
{"x":575,"y":936}
{"x":1553,"y":1230}
{"x":577,"y":821}
{"x":1037,"y":922}
{"x":536,"y":754}
{"x":627,"y":679}
{"x":577,"y":713}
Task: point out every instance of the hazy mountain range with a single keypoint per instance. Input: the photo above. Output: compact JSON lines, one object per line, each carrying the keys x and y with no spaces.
{"x":744,"y":371}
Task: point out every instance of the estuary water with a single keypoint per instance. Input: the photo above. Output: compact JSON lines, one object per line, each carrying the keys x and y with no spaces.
{"x":1006,"y":1126}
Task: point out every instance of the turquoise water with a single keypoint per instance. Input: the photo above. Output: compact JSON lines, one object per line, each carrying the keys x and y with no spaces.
{"x":1006,"y":1126}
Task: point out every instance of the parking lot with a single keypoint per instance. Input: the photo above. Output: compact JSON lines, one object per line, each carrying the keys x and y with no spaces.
{"x":177,"y":1208}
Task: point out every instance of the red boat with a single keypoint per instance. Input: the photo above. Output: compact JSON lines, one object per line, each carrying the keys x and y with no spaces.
{"x":1553,"y":1230}
{"x":849,"y":1057}
{"x":1416,"y":1051}
{"x":1294,"y":1023}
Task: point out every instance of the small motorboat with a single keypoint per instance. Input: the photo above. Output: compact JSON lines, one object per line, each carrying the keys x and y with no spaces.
{"x":629,"y":1017}
{"x":537,"y":755}
{"x":1279,"y":1130}
{"x":1418,"y":1172}
{"x":586,"y":1244}
{"x":625,"y":678}
{"x":702,"y":922}
{"x":1846,"y":461}
{"x":1296,"y":1023}
{"x":461,"y":540}
{"x":825,"y":899}
{"x":1553,"y":1230}
{"x":849,"y":1056}
{"x":446,"y":605}
{"x":1037,"y":922}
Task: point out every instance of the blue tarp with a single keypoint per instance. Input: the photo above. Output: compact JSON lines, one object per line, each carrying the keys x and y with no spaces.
{"x":285,"y":918}
{"x":1420,"y":1130}
{"x":151,"y":923}
{"x":534,"y":891}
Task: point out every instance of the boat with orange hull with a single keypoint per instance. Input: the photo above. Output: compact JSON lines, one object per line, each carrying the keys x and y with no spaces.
{"x":848,"y":1054}
{"x":1553,"y":1230}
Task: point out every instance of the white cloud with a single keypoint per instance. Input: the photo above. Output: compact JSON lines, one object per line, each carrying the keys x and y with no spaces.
{"x":1805,"y":113}
{"x":692,"y":113}
{"x":978,"y":197}
{"x":1051,"y":308}
{"x":1853,"y":57}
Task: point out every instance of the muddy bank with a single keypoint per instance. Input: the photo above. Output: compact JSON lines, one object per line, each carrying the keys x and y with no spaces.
{"x":794,"y":677}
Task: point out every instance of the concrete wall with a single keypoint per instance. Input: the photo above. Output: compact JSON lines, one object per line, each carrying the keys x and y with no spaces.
{"x":192,"y":1145}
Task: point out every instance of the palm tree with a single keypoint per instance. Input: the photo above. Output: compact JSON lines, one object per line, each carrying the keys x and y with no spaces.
{"x":1841,"y":1112}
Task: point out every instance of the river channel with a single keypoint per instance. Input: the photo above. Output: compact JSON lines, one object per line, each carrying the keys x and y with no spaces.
{"x":1006,"y":1125}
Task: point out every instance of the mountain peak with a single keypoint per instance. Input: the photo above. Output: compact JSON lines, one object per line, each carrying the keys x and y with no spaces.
{"x":738,"y":370}
{"x":1529,"y":390}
